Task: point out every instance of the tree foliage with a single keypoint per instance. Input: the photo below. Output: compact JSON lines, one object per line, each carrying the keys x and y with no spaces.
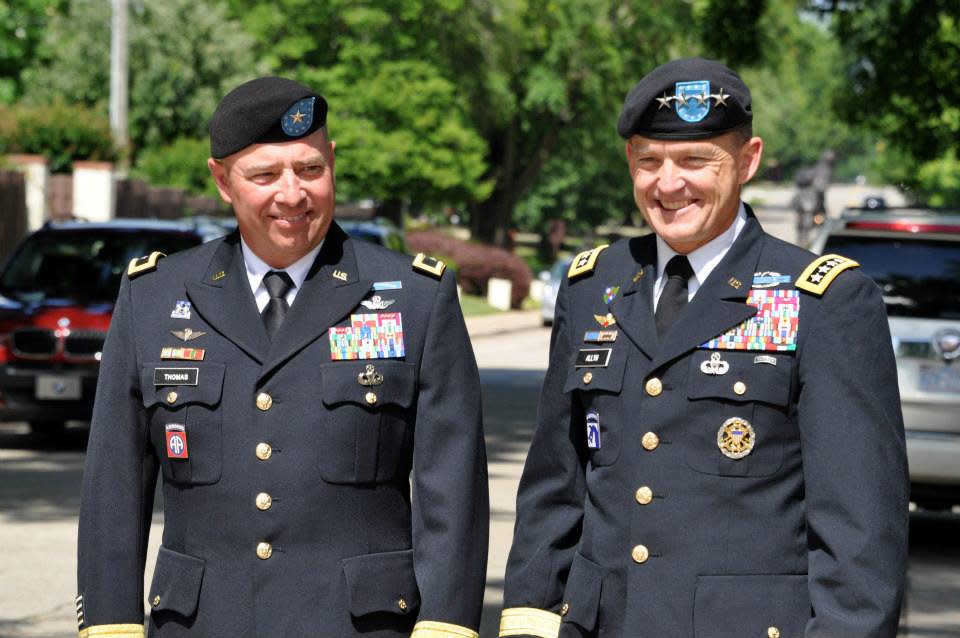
{"x":22,"y":25}
{"x":60,"y":132}
{"x":183,"y":56}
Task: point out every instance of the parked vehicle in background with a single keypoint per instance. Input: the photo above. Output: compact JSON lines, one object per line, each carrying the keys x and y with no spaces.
{"x":551,"y":286}
{"x":57,"y":292}
{"x":914,"y":255}
{"x":378,"y":231}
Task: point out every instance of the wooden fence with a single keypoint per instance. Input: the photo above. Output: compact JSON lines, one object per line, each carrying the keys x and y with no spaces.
{"x":13,"y":211}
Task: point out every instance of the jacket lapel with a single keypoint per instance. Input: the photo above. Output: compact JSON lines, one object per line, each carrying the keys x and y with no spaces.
{"x":323,"y":300}
{"x":222,"y":296}
{"x":634,"y":308}
{"x":720,"y":303}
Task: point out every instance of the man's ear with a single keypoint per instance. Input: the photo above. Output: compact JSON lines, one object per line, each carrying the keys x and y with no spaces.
{"x":219,"y":171}
{"x":749,"y":159}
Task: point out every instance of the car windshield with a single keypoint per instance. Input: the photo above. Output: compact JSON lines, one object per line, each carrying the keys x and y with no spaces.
{"x":84,"y":265}
{"x":919,"y":277}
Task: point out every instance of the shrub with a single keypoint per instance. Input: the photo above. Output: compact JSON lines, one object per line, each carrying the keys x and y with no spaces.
{"x":60,"y":132}
{"x":182,"y":164}
{"x":476,"y":263}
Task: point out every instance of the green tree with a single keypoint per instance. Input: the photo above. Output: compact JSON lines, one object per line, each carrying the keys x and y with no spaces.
{"x":183,"y":56}
{"x":22,"y":24}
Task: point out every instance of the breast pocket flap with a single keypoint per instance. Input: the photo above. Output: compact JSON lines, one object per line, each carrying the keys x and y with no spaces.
{"x":176,"y":582}
{"x":606,"y":378}
{"x":740,"y":376}
{"x":382,"y":582}
{"x":369,"y":383}
{"x":179,"y":384}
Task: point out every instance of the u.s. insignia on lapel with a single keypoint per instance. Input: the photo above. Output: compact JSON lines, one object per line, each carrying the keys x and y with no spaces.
{"x":340,"y":275}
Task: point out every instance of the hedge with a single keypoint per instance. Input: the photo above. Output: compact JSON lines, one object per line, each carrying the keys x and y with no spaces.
{"x":476,"y":263}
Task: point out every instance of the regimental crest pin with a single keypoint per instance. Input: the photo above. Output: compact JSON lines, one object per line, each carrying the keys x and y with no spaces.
{"x":692,"y":100}
{"x":736,"y":438}
{"x":377,"y":302}
{"x":593,"y":430}
{"x":610,"y":294}
{"x":299,"y":118}
{"x":181,"y":310}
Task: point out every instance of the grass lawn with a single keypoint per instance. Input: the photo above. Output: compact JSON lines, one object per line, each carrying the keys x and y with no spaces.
{"x":474,"y":306}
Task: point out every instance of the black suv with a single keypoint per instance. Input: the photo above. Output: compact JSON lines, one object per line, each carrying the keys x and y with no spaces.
{"x":57,"y":292}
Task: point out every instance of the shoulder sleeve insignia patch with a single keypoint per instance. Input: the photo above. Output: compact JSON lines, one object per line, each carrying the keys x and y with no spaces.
{"x":141,"y":265}
{"x":822,"y":271}
{"x":429,"y":265}
{"x":585,"y":262}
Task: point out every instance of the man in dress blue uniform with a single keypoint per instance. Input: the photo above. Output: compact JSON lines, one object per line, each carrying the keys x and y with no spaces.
{"x":312,"y":403}
{"x":720,"y":449}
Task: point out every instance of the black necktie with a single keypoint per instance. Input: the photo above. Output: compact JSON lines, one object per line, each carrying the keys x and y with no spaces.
{"x":278,"y":284}
{"x":674,"y":295}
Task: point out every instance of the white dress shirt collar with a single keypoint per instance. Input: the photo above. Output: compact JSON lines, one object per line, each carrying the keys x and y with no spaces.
{"x":702,"y":260}
{"x":257,"y":268}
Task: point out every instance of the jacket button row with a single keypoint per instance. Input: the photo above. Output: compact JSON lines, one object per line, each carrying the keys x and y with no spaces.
{"x":640,"y":554}
{"x":650,"y":441}
{"x":264,"y":501}
{"x":264,"y":401}
{"x":644,"y":495}
{"x":654,"y":386}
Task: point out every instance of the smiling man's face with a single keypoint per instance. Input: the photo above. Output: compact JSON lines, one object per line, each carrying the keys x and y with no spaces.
{"x":282,"y":194}
{"x":689,"y":191}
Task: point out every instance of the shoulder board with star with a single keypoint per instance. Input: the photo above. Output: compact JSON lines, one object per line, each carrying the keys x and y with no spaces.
{"x":142,"y":265}
{"x":585,"y":262}
{"x":428,"y":265}
{"x":821,"y":272}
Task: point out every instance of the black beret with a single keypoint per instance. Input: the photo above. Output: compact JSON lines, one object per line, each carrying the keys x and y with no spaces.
{"x":687,"y":99}
{"x":269,"y":109}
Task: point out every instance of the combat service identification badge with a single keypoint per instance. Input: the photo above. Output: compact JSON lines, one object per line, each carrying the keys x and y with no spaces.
{"x":736,"y":438}
{"x":177,"y":441}
{"x":593,"y":430}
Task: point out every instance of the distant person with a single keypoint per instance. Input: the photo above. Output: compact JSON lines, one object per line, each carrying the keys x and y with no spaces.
{"x":312,"y":403}
{"x":719,"y":449}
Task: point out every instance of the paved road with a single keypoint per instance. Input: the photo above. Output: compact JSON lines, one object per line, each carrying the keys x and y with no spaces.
{"x":39,"y":497}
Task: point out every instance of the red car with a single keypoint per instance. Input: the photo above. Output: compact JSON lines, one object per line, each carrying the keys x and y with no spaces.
{"x":57,"y":292}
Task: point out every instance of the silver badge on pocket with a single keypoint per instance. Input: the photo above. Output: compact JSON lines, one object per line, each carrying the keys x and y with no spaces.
{"x":370,"y":376}
{"x":715,"y":365}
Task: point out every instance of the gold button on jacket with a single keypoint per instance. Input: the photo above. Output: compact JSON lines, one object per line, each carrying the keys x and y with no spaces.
{"x":650,"y":441}
{"x":264,"y":501}
{"x":653,"y":386}
{"x":264,"y":551}
{"x":640,"y":554}
{"x":644,"y":495}
{"x":264,"y":401}
{"x":264,"y":451}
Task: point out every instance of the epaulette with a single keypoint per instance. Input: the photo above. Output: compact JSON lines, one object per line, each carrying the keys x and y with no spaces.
{"x":145,"y":264}
{"x":428,"y":265}
{"x":822,"y":271}
{"x":585,"y":262}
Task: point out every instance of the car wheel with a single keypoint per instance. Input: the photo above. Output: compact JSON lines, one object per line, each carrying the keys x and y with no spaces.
{"x":47,"y":427}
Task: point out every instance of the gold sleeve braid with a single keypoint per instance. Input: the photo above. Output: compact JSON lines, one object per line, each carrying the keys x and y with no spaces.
{"x":432,"y":629}
{"x":528,"y":621}
{"x":113,"y":631}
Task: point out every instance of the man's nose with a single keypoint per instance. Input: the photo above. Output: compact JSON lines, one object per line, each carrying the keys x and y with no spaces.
{"x":290,"y":193}
{"x":670,"y":178}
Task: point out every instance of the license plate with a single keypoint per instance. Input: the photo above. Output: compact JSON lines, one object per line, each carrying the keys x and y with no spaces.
{"x":942,"y":378}
{"x":58,"y":388}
